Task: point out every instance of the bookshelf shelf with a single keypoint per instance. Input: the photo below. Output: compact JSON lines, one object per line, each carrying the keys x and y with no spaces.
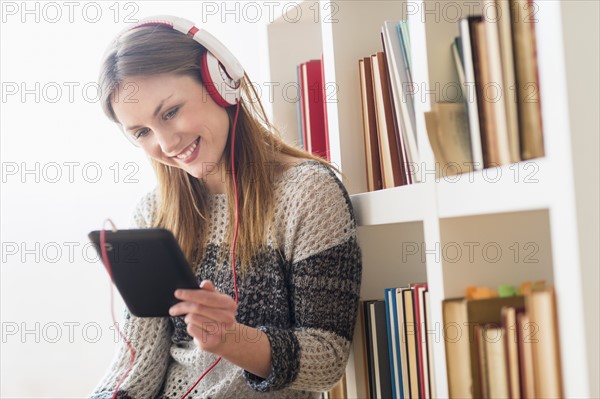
{"x":395,"y":205}
{"x":510,"y":188}
{"x":541,"y":213}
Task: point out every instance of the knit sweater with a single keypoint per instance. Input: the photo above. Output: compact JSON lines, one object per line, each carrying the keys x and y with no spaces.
{"x":302,"y":292}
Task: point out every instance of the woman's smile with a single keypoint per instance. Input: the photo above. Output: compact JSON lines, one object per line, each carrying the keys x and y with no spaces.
{"x":190,"y":153}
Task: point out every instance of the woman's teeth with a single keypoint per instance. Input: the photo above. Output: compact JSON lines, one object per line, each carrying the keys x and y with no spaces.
{"x":189,"y":151}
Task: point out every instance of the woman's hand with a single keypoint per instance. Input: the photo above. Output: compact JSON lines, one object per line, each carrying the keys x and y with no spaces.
{"x":210,"y":319}
{"x":210,"y":316}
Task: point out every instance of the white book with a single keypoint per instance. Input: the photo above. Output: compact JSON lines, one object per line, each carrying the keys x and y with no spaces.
{"x":403,"y":100}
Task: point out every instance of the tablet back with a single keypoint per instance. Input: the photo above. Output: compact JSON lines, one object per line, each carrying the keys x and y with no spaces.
{"x":147,"y":267}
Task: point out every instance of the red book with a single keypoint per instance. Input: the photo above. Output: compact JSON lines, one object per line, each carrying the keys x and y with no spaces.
{"x":313,"y":109}
{"x":417,"y":290}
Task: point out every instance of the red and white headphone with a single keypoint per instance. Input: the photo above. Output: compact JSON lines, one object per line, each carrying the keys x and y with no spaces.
{"x":220,"y":71}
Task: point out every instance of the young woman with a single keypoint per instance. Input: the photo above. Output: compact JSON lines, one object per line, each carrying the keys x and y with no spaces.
{"x":218,"y":161}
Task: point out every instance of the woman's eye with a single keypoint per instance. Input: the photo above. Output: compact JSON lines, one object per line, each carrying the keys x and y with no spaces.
{"x":170,"y":114}
{"x":140,"y":133}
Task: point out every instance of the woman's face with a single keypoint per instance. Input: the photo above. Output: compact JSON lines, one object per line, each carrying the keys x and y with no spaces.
{"x":175,"y":121}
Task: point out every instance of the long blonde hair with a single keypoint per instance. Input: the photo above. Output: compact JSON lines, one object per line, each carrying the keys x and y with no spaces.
{"x":152,"y":50}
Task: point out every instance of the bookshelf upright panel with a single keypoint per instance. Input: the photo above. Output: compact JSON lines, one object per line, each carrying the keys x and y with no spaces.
{"x":558,"y":135}
{"x":582,"y":62}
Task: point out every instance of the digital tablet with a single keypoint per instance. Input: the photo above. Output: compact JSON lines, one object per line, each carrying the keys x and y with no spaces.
{"x":147,"y":267}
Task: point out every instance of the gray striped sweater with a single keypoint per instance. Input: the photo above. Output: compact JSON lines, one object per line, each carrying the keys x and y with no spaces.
{"x":302,"y":292}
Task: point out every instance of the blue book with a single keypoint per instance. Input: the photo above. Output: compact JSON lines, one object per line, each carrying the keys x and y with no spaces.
{"x":393,"y":340}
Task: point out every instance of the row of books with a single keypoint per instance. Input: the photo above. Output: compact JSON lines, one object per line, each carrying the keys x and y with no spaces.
{"x":503,"y":346}
{"x":312,"y":108}
{"x":499,"y":121}
{"x":388,"y":113}
{"x":499,"y":343}
{"x":398,"y":349}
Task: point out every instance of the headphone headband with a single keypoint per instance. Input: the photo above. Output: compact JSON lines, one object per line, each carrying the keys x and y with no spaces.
{"x":212,"y":44}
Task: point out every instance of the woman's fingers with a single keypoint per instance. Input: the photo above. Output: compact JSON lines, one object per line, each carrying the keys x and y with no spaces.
{"x":186,"y":307}
{"x":206,"y":301}
{"x":208,"y":334}
{"x":210,"y":315}
{"x":220,"y":316}
{"x":207,"y":298}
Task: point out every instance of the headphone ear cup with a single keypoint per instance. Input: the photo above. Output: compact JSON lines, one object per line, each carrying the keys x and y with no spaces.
{"x":222,"y":89}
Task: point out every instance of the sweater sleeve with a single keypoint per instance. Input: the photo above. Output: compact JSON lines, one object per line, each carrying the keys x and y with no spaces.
{"x":150,"y":337}
{"x":324,"y":257}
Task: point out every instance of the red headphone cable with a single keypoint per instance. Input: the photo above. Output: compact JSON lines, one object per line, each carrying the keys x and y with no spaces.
{"x":235,"y":235}
{"x":112,"y":306}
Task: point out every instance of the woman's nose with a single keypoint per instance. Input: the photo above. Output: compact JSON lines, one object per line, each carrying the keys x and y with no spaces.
{"x":168,"y":141}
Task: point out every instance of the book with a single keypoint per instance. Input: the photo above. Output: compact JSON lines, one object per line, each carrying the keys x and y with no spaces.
{"x":359,"y":356}
{"x":496,"y":96}
{"x":494,"y":375}
{"x":401,"y":85}
{"x":502,"y":9}
{"x":433,"y":128}
{"x":404,"y":34}
{"x":379,"y":363}
{"x":422,"y":361}
{"x":429,"y":342}
{"x":379,"y":350}
{"x":480,"y":355}
{"x":399,"y":129}
{"x":392,"y":330}
{"x":325,"y":100}
{"x":460,"y":317}
{"x":494,"y":154}
{"x":524,"y":344}
{"x":390,"y":159}
{"x":410,"y":333}
{"x":509,"y":324}
{"x":528,"y":88}
{"x":456,"y":48}
{"x":300,"y":114}
{"x":372,"y":159}
{"x":301,"y":106}
{"x":401,"y":343}
{"x":458,"y":359}
{"x":448,"y":132}
{"x":369,"y":331}
{"x":471,"y":92}
{"x":481,"y":312}
{"x":312,"y":107}
{"x":541,"y":308}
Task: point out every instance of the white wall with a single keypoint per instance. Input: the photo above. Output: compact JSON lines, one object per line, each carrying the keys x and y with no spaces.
{"x":57,"y":338}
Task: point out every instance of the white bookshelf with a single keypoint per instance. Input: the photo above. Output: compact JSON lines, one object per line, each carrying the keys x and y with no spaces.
{"x":542,"y":213}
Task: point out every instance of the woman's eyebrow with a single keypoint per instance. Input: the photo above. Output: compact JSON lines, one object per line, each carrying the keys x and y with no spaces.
{"x":157,"y":110}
